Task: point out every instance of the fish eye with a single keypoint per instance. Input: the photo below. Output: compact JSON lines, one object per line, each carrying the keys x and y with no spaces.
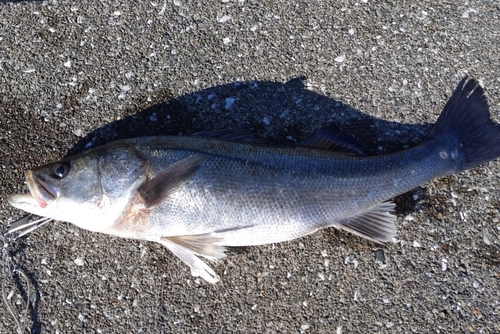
{"x":60,"y":171}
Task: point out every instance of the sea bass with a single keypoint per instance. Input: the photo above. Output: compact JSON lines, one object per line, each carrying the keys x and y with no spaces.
{"x":198,"y":195}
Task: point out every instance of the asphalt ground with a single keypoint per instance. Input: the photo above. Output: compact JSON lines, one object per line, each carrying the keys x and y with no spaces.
{"x":75,"y":74}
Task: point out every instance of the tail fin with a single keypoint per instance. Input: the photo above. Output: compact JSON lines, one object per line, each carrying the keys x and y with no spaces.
{"x":466,"y":117}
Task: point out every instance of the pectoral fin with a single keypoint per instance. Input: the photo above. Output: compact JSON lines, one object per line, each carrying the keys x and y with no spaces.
{"x":375,"y":224}
{"x":186,"y":248}
{"x":154,"y":191}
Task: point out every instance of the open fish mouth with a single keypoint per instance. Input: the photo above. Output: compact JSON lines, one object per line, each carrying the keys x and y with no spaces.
{"x":43,"y":192}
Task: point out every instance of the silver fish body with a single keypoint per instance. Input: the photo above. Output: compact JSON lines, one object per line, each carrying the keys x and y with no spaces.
{"x":250,"y":195}
{"x":197,"y":195}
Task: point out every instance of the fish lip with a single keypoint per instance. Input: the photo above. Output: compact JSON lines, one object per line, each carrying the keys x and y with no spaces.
{"x":21,"y":200}
{"x":43,"y":192}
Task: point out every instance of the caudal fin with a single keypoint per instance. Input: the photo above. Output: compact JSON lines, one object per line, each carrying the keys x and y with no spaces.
{"x":466,"y":118}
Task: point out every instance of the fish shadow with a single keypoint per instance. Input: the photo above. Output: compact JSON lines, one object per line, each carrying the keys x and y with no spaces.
{"x":280,"y":113}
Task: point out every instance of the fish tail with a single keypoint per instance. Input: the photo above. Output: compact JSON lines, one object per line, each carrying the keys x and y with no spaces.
{"x":466,"y":122}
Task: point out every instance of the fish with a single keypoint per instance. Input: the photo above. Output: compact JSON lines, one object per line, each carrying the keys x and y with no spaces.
{"x":198,"y":195}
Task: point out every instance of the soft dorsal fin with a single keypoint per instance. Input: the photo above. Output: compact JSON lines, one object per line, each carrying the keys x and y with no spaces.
{"x":237,"y":135}
{"x":375,"y":224}
{"x":333,"y":139}
{"x":154,"y":191}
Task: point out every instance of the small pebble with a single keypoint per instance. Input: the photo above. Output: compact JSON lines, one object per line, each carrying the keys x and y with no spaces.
{"x":79,"y":262}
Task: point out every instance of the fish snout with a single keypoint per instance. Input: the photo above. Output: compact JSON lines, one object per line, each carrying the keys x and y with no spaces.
{"x":43,"y":192}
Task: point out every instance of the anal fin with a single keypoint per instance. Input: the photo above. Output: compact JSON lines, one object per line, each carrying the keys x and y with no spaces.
{"x":188,"y":248}
{"x":375,"y":224}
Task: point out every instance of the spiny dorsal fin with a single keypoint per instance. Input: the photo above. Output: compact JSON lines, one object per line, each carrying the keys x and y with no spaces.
{"x":333,"y":139}
{"x":236,"y":135}
{"x":154,"y":191}
{"x":375,"y":224}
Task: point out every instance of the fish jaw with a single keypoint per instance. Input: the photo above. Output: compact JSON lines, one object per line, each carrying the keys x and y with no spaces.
{"x":26,"y":202}
{"x":40,"y":195}
{"x":41,"y":191}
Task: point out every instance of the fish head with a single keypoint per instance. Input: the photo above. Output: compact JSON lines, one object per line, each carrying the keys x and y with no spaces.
{"x":61,"y":189}
{"x":88,"y":190}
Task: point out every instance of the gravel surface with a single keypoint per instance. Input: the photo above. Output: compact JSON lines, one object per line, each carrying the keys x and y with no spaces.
{"x":75,"y":74}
